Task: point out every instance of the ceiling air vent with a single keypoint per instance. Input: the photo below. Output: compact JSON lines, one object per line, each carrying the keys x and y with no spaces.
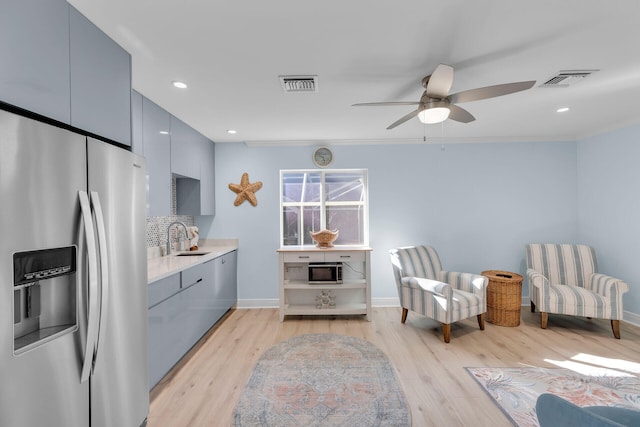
{"x":296,"y":84}
{"x":567,"y":78}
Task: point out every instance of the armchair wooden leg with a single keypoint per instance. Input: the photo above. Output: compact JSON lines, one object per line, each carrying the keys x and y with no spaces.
{"x":544,"y":318}
{"x":615,"y":325}
{"x":533,"y":307}
{"x":481,"y":321}
{"x":446,"y":331}
{"x":404,"y":314}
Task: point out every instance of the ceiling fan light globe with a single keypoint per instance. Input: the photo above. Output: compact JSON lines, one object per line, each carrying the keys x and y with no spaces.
{"x":434,"y":115}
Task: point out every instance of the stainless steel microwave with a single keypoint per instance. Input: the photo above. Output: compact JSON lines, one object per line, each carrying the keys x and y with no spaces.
{"x":325,"y":273}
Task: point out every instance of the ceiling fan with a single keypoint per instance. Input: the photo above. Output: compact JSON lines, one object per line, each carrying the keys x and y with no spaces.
{"x":436,"y":105}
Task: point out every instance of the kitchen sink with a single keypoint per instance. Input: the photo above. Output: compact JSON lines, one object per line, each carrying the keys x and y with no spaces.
{"x":193,"y":253}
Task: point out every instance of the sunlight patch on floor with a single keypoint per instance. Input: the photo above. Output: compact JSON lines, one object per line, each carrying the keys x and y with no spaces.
{"x":588,"y":364}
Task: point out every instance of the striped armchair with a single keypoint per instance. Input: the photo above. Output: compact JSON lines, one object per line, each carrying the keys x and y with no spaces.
{"x":563,"y":279}
{"x":445,"y":296}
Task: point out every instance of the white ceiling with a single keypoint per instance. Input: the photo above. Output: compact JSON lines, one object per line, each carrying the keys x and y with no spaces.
{"x":231,"y":53}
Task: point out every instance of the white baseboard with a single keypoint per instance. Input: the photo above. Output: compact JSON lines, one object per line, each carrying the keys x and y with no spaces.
{"x":632,"y":318}
{"x":259,"y":303}
{"x":629,"y":317}
{"x":274,"y":302}
{"x":385,"y":302}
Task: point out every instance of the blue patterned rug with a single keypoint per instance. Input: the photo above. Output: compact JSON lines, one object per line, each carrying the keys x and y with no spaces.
{"x":323,"y":380}
{"x":515,"y":390}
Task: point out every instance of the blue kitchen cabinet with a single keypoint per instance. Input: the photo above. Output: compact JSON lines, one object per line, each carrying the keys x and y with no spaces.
{"x":195,"y":196}
{"x":185,"y":149}
{"x":137,"y":142}
{"x":100,"y":81}
{"x":35,"y":57}
{"x":57,"y":64}
{"x":164,"y":327}
{"x":207,"y":179}
{"x":193,"y":164}
{"x":184,"y":306}
{"x":156,"y":125}
{"x":194,"y":300}
{"x":226,"y":279}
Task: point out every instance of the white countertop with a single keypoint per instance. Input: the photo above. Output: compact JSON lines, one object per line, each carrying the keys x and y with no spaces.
{"x":165,"y":266}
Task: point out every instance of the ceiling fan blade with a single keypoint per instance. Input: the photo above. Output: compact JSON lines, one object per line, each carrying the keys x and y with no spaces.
{"x":400,"y":121}
{"x":460,"y":114}
{"x":382,"y":104}
{"x":490,"y":92}
{"x":440,"y":82}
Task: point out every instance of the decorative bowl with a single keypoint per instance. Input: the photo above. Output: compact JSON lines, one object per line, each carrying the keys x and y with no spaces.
{"x":324,"y":238}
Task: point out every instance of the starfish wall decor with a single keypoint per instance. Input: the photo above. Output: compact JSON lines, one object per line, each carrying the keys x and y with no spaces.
{"x":245,"y":190}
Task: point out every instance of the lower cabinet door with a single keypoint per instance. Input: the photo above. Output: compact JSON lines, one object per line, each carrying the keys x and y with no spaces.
{"x":195,"y":302}
{"x":226,"y":288}
{"x":164,"y":329}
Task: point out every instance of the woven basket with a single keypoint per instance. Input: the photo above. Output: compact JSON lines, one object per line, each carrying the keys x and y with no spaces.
{"x":504,"y":297}
{"x":324,"y":238}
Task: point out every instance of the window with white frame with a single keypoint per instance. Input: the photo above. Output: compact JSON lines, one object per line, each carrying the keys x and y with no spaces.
{"x":314,"y":200}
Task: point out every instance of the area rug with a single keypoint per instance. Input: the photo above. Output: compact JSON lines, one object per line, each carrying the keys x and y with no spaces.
{"x":515,"y":390}
{"x":323,"y":380}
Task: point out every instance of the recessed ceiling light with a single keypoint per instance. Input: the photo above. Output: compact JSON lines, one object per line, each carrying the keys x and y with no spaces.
{"x":232,"y":131}
{"x":180,"y":85}
{"x":562,"y":110}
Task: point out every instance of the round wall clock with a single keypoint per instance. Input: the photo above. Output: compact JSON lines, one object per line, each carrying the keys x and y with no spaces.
{"x":322,"y":157}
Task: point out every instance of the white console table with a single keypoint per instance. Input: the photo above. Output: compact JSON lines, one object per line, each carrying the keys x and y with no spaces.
{"x":298,"y":296}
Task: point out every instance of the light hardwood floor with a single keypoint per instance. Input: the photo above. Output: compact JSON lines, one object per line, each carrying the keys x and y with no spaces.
{"x":202,"y":390}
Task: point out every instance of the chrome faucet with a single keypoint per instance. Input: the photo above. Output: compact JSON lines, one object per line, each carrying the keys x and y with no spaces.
{"x":186,"y":232}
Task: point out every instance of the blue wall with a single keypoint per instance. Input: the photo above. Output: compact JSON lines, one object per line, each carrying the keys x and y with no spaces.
{"x":609,"y":205}
{"x":477,"y":204}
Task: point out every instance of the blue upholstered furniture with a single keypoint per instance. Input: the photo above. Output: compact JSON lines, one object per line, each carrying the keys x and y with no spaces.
{"x":564,"y":279}
{"x":446,"y":296}
{"x":553,"y":411}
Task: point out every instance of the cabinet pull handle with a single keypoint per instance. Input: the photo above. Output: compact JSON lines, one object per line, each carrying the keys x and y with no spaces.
{"x":303,"y":256}
{"x":345,"y":256}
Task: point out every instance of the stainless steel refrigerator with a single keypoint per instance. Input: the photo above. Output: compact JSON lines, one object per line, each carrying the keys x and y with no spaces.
{"x":73,"y":279}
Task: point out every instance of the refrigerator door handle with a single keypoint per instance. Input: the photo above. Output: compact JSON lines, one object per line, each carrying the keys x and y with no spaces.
{"x":92,"y":309}
{"x":104,"y":268}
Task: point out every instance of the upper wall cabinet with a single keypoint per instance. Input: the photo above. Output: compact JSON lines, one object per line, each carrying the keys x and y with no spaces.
{"x":100,"y":81}
{"x":57,"y":64}
{"x":207,"y":180}
{"x":172,"y":147}
{"x":197,"y":196}
{"x":193,"y":163}
{"x":34,"y":51}
{"x":186,"y":145}
{"x":137,"y":143}
{"x":156,"y":124}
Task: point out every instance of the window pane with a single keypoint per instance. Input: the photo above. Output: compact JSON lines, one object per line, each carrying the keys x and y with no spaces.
{"x":311,"y":223}
{"x":301,"y":187}
{"x":349,"y":221}
{"x":292,"y":187}
{"x":290,"y":226}
{"x":344,"y":187}
{"x":293,"y":222}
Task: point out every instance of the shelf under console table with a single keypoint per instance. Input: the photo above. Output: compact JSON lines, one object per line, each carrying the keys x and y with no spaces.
{"x":300,"y":297}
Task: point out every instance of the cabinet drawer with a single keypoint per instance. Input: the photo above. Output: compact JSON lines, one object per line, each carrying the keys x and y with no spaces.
{"x":163,"y":289}
{"x":344,"y":256}
{"x":304,"y":257}
{"x":193,"y":275}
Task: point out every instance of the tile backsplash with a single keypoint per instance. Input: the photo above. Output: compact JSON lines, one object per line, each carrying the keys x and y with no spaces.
{"x":157,"y":228}
{"x":157,"y":225}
